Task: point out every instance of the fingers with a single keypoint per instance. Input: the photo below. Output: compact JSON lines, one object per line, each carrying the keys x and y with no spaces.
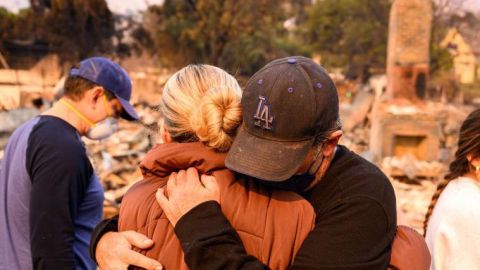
{"x":209,"y":182}
{"x":192,"y":176}
{"x":137,"y":259}
{"x":166,"y":206}
{"x":161,"y":198}
{"x":137,"y":239}
{"x":171,"y":183}
{"x":181,"y":177}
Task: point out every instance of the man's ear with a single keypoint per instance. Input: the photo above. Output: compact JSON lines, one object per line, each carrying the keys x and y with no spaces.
{"x":97,"y":92}
{"x":332,"y":142}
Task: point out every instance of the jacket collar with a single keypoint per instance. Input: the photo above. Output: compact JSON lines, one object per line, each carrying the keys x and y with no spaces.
{"x":163,"y":159}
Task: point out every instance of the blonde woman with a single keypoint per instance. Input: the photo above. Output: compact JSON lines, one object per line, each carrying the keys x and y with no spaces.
{"x":202,"y":111}
{"x":453,"y":217}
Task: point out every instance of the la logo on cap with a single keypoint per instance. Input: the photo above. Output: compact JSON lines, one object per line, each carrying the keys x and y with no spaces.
{"x":262,"y":116}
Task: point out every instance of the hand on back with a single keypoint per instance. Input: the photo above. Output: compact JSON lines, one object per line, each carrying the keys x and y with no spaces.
{"x":184,"y":191}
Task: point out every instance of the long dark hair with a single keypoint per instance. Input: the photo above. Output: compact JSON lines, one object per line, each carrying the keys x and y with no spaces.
{"x":468,"y":144}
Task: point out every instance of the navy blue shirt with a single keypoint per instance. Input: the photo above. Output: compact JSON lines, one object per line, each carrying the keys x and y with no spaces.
{"x":50,"y":198}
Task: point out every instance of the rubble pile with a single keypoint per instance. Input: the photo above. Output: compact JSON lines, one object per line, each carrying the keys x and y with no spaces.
{"x":116,"y":159}
{"x":356,"y":123}
{"x":413,"y":201}
{"x":414,"y":179}
{"x":449,"y":119}
{"x":410,"y":167}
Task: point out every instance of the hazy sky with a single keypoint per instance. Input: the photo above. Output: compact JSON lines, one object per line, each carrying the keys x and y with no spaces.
{"x":117,"y":6}
{"x":469,"y":5}
{"x":127,"y":6}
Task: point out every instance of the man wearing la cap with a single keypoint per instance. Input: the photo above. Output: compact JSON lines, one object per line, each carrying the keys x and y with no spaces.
{"x":50,"y":197}
{"x":291,"y":128}
{"x":289,"y":140}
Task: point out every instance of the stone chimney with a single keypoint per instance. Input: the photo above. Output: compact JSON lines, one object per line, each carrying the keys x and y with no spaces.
{"x":408,"y":53}
{"x":401,"y":124}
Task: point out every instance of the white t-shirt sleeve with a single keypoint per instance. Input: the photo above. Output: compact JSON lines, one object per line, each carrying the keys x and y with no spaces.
{"x":456,"y":239}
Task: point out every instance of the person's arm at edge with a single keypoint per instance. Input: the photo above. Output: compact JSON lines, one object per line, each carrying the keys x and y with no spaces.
{"x":457,"y":230}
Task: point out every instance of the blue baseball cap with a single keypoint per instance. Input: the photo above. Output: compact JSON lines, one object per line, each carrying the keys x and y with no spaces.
{"x":112,"y":77}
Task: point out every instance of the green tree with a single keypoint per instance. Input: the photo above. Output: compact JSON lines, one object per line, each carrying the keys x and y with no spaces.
{"x":239,"y":35}
{"x":349,"y":34}
{"x":440,"y":59}
{"x":7,"y":22}
{"x":74,"y":29}
{"x":13,"y":27}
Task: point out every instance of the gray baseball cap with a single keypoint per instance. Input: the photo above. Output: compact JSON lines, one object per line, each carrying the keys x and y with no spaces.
{"x":285,"y":106}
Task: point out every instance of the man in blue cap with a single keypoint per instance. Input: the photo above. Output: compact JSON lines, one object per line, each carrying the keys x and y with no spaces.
{"x":50,"y":197}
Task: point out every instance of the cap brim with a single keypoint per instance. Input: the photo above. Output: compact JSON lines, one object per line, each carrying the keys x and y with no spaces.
{"x":266,"y":159}
{"x":128,"y":112}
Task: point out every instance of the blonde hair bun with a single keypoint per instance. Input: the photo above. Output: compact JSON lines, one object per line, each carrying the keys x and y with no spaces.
{"x":202,"y":103}
{"x":218,"y":116}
